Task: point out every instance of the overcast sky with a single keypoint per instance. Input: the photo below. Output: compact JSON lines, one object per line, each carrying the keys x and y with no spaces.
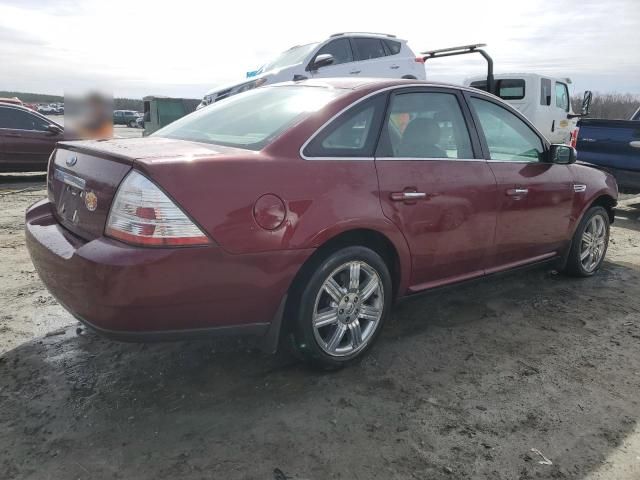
{"x":183,"y":48}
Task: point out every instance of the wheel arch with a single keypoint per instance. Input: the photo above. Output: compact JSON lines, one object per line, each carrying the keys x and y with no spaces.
{"x":603,"y":200}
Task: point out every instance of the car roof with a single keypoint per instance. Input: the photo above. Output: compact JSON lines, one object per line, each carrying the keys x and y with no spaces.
{"x":350,"y":83}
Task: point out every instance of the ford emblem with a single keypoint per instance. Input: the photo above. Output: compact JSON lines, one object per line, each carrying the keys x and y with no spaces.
{"x":72,"y":160}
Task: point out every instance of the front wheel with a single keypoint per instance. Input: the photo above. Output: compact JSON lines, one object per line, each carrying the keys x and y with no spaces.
{"x":341,"y":307}
{"x":589,"y":244}
{"x":132,"y":124}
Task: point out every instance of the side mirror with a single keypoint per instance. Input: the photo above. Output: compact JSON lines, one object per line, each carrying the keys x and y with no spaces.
{"x":54,"y":129}
{"x":586,"y":102}
{"x":562,"y":154}
{"x":322,"y":60}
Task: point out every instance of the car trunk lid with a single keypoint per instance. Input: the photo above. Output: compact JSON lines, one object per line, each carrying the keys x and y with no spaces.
{"x":84,"y":176}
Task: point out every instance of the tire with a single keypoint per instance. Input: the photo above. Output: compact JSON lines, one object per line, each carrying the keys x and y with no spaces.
{"x":132,"y":124}
{"x":408,"y":77}
{"x":596,"y":219}
{"x":348,"y":313}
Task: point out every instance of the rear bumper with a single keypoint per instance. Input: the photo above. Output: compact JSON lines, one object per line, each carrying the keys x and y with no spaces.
{"x":135,"y":293}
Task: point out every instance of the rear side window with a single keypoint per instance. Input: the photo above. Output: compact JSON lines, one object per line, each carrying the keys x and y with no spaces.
{"x":509,"y":138}
{"x":340,"y":49}
{"x":425,"y":125}
{"x":353,"y":134}
{"x":368,"y":48}
{"x":545,"y":92}
{"x":508,"y":88}
{"x":18,"y":120}
{"x":393,"y":46}
{"x":562,"y":96}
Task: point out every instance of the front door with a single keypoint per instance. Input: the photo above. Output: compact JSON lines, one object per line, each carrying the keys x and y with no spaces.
{"x":342,"y":65}
{"x":439,"y":193}
{"x":534,"y":196}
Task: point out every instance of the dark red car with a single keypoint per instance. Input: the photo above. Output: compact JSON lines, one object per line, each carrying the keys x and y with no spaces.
{"x":26,"y":139}
{"x":305,"y":209}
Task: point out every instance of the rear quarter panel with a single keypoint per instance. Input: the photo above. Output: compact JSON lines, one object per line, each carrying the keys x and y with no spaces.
{"x":323,"y":198}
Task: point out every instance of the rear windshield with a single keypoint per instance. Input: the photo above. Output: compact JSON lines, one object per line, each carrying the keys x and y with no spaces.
{"x":252,"y":119}
{"x":508,"y":88}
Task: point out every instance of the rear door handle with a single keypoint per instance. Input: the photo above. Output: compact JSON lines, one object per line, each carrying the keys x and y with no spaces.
{"x":517,"y":192}
{"x":407,"y":196}
{"x":394,"y":67}
{"x":355,"y":72}
{"x":635,"y":144}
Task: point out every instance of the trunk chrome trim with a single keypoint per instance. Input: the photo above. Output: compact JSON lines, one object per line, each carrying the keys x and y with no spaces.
{"x":69,"y":179}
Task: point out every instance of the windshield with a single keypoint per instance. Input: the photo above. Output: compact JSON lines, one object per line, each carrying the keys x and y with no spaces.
{"x":292,"y":56}
{"x":252,"y":119}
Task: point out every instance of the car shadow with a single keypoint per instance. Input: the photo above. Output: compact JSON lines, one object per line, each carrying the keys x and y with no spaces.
{"x":22,"y":180}
{"x":463,"y":381}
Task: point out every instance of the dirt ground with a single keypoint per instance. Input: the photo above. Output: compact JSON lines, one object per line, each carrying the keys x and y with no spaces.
{"x":463,"y":383}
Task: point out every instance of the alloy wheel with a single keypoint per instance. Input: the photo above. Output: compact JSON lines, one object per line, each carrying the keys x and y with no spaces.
{"x":348,"y":309}
{"x":593,"y":243}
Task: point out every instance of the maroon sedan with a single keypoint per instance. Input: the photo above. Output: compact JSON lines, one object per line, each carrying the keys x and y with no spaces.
{"x":302,"y":210}
{"x":26,"y":139}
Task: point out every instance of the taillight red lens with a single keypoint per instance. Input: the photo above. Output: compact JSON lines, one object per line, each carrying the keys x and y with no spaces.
{"x":574,"y":137}
{"x":420,"y":59}
{"x":142,"y":214}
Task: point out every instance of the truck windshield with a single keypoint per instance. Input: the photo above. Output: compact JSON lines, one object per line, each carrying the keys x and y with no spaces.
{"x":252,"y":119}
{"x":292,"y":56}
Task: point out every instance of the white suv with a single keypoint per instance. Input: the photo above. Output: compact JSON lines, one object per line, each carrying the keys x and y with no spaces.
{"x":341,"y":55}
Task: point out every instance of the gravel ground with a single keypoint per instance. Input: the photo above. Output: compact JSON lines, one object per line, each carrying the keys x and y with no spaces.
{"x":530,"y":375}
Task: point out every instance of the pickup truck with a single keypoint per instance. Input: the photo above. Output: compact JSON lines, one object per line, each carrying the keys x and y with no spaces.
{"x":613,"y":146}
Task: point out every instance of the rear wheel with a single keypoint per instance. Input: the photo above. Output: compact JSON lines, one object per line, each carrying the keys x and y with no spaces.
{"x":589,"y":244}
{"x":341,"y":307}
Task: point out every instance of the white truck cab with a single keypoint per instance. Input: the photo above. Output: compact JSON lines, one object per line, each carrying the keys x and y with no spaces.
{"x":544,"y":100}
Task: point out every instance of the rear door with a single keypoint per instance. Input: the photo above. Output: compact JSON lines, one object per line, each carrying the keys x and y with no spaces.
{"x":435,"y":186}
{"x":534,"y":196}
{"x":371,"y":58}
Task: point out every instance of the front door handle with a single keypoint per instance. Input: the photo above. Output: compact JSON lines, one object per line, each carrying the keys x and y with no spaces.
{"x":407,"y":196}
{"x":394,"y":67}
{"x":355,"y":72}
{"x":517,"y":192}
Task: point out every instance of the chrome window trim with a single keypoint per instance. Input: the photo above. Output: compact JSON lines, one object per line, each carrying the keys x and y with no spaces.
{"x":362,"y":99}
{"x":431,"y":159}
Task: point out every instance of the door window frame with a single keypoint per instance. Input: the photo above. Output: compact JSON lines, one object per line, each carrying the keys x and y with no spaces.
{"x":315,"y":55}
{"x":480,"y":132}
{"x":476,"y":149}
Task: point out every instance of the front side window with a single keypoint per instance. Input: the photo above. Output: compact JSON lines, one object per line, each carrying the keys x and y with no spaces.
{"x":425,"y":125}
{"x":15,"y":119}
{"x":545,"y":92}
{"x":509,"y":138}
{"x":562,"y":96}
{"x":251,"y":119}
{"x":368,"y":48}
{"x":353,"y":134}
{"x":340,"y":49}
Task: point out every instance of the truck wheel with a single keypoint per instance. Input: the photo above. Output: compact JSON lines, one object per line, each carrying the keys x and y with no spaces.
{"x":341,"y":307}
{"x":589,"y":244}
{"x":132,"y":124}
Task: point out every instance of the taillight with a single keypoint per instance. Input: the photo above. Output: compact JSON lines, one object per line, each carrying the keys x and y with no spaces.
{"x":419,"y":59}
{"x":574,"y":137}
{"x":141,"y":214}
